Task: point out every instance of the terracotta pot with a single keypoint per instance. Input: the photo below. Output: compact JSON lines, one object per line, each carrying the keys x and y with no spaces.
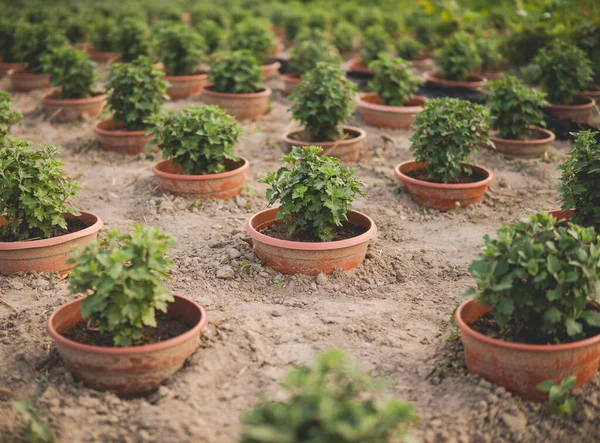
{"x":103,"y":57}
{"x":440,"y":196}
{"x":521,"y":367}
{"x":240,"y":106}
{"x":525,"y":148}
{"x":183,"y":86}
{"x":50,"y":254}
{"x":290,"y":81}
{"x":221,"y":186}
{"x":7,"y":68}
{"x":423,"y":64}
{"x":114,"y":138}
{"x":493,"y":75}
{"x":67,"y":110}
{"x":591,"y":91}
{"x":271,"y":70}
{"x":21,"y":81}
{"x":475,"y":81}
{"x":347,"y":149}
{"x":130,"y":369}
{"x":376,"y":113}
{"x":580,"y":111}
{"x":562,"y":215}
{"x":309,"y":258}
{"x":356,"y":65}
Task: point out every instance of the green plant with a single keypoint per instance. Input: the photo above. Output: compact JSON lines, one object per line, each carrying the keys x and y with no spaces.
{"x":425,"y":29}
{"x":409,"y":48}
{"x":514,"y":106}
{"x":345,"y":36}
{"x":375,"y":43}
{"x":488,"y":49}
{"x":322,"y":101}
{"x":35,"y":40}
{"x":293,"y":20}
{"x":253,"y":35}
{"x":458,"y":57}
{"x":332,"y":401}
{"x":8,"y":116}
{"x":71,"y":70}
{"x":132,"y":38}
{"x":179,"y":48}
{"x":564,"y":70}
{"x":135,"y":92}
{"x":393,"y":80}
{"x":213,"y":35}
{"x":446,"y":132}
{"x":523,"y":43}
{"x":103,"y":35}
{"x":35,"y":430}
{"x":77,"y":28}
{"x":315,"y":192}
{"x":587,"y":37}
{"x":202,"y":12}
{"x":34,"y":193}
{"x":235,"y":72}
{"x":319,"y":18}
{"x":579,"y":180}
{"x":538,"y":276}
{"x":123,"y":276}
{"x":306,"y":54}
{"x":559,"y":400}
{"x":200,"y":138}
{"x":8,"y":29}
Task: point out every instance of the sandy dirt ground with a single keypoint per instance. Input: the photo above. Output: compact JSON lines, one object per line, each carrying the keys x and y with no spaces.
{"x":391,"y":314}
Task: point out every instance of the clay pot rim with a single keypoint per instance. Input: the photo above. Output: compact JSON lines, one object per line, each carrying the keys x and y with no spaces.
{"x":550,"y":137}
{"x":361,"y":136}
{"x":561,"y":214}
{"x":265,"y":92}
{"x":5,"y":65}
{"x":309,"y":246}
{"x":154,"y":347}
{"x":99,"y":129}
{"x":53,"y":241}
{"x":25,"y":74}
{"x":183,"y":78}
{"x":477,"y":83}
{"x":156,"y":170}
{"x":405,"y":178}
{"x":292,"y":77}
{"x":49,"y":99}
{"x":351,"y":66}
{"x":363,"y":103}
{"x":466,"y":329}
{"x":271,"y":65}
{"x":590,"y":104}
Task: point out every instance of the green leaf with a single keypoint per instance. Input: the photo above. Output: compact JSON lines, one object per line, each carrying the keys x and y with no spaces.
{"x":545,"y":386}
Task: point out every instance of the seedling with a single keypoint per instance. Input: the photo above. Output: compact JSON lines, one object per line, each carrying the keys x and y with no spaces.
{"x":559,"y":400}
{"x":35,"y":430}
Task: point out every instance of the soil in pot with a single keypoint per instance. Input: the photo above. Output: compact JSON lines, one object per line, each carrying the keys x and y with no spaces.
{"x":421,"y":174}
{"x":280,"y":229}
{"x":347,"y":148}
{"x":73,"y":225}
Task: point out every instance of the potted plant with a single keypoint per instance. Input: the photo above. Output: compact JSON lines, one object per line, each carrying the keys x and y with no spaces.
{"x":533,"y":316}
{"x":128,"y":333}
{"x":8,"y":116}
{"x":442,"y":175}
{"x":293,"y":21}
{"x":132,"y":39}
{"x":456,"y":61}
{"x":314,"y":229}
{"x":415,"y":52}
{"x":491,"y":58}
{"x":213,"y":35}
{"x":136,"y":91}
{"x":375,"y":42}
{"x":321,"y":103}
{"x":331,"y":401}
{"x":197,"y":144}
{"x":8,"y":57}
{"x":104,"y":40}
{"x":345,"y":38}
{"x":77,"y":29}
{"x":392,"y":104}
{"x":587,"y":37}
{"x":235,"y":85}
{"x":563,"y":71}
{"x":516,"y":115}
{"x":255,"y":36}
{"x":181,"y":50}
{"x":72,"y":72}
{"x":39,"y":225}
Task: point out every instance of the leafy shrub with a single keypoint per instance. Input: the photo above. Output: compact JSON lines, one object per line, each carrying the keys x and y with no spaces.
{"x":564,"y":70}
{"x":409,"y":48}
{"x":392,"y":23}
{"x":103,"y":35}
{"x":322,"y":101}
{"x":315,"y":192}
{"x":34,"y":193}
{"x":8,"y":29}
{"x":369,"y":17}
{"x":587,"y":37}
{"x":458,"y":57}
{"x":319,"y":18}
{"x":425,"y":29}
{"x":200,"y":138}
{"x":293,"y":21}
{"x":489,"y":53}
{"x":307,"y":54}
{"x":345,"y":36}
{"x":71,"y":70}
{"x":579,"y":181}
{"x":253,"y":35}
{"x":132,"y":38}
{"x":35,"y":40}
{"x":514,"y":106}
{"x":393,"y":80}
{"x":213,"y":35}
{"x":77,"y":28}
{"x":314,"y":34}
{"x":202,"y":12}
{"x":523,"y":43}
{"x":124,"y":274}
{"x":332,"y":401}
{"x":179,"y":48}
{"x":446,"y":132}
{"x":136,"y":91}
{"x":538,"y":276}
{"x":236,"y":73}
{"x":8,"y":116}
{"x":375,"y":43}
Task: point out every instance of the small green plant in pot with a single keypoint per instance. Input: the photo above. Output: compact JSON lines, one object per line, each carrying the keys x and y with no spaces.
{"x":255,"y":36}
{"x":132,"y":39}
{"x":345,"y":37}
{"x":375,"y":42}
{"x":456,"y":61}
{"x":409,"y":48}
{"x":213,"y":35}
{"x":304,"y":57}
{"x":104,"y":40}
{"x":488,"y":49}
{"x":8,"y":116}
{"x":8,"y":57}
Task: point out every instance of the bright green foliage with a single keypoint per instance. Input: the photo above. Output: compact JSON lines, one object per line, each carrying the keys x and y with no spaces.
{"x":255,"y":36}
{"x":523,"y":43}
{"x":319,"y":18}
{"x":132,"y":39}
{"x":458,"y":57}
{"x":368,"y":17}
{"x":199,"y":138}
{"x":314,"y":34}
{"x":179,"y":48}
{"x":135,"y":92}
{"x":489,"y":53}
{"x":559,"y":400}
{"x":235,"y":72}
{"x":580,"y":178}
{"x":213,"y":35}
{"x":306,"y":54}
{"x":71,"y":70}
{"x":331,"y":402}
{"x":32,"y":41}
{"x":103,"y":35}
{"x":514,"y":106}
{"x":34,"y":193}
{"x":35,"y":429}
{"x":587,"y":37}
{"x":77,"y":27}
{"x":345,"y":36}
{"x":425,"y":29}
{"x":322,"y":101}
{"x":392,"y":23}
{"x":564,"y":70}
{"x":376,"y":42}
{"x":446,"y":132}
{"x":203,"y":12}
{"x":315,"y":192}
{"x":393,"y":81}
{"x":8,"y":116}
{"x":124,"y":274}
{"x":409,"y":48}
{"x":8,"y":30}
{"x":293,"y":20}
{"x":538,"y":276}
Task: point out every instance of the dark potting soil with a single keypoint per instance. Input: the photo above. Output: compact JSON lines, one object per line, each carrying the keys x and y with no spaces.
{"x":72,"y":226}
{"x":303,"y":137}
{"x":280,"y":229}
{"x":421,"y":174}
{"x":167,"y":328}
